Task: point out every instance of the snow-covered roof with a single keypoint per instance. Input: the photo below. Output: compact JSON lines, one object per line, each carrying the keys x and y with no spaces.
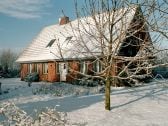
{"x":64,"y":41}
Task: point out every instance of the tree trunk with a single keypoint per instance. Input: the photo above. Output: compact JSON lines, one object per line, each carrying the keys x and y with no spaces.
{"x":107,"y":94}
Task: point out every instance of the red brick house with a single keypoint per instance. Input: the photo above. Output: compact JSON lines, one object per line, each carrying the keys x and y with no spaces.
{"x":51,"y":53}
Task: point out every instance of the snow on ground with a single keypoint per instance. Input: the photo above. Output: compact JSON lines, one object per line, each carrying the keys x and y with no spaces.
{"x":22,"y":95}
{"x":140,"y":106}
{"x":19,"y":92}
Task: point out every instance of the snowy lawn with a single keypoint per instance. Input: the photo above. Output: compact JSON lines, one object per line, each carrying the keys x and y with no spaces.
{"x":140,"y":106}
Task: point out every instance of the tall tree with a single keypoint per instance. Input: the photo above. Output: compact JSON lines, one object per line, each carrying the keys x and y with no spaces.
{"x":119,"y":35}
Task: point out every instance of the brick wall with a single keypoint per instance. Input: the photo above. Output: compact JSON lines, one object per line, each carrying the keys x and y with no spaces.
{"x":52,"y":72}
{"x":52,"y":75}
{"x":73,"y":66}
{"x":24,"y":71}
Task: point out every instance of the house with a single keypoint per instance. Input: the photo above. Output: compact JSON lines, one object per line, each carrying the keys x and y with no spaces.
{"x":58,"y":53}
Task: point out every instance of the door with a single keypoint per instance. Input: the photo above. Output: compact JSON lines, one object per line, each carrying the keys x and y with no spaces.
{"x":63,"y":71}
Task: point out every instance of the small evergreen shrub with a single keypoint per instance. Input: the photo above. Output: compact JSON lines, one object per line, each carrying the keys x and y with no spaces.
{"x":32,"y":77}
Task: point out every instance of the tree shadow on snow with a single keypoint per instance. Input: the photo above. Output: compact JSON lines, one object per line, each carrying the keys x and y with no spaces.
{"x":71,"y":103}
{"x":151,"y":93}
{"x":65,"y":104}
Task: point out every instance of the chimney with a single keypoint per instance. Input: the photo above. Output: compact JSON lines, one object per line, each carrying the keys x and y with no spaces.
{"x":63,"y":20}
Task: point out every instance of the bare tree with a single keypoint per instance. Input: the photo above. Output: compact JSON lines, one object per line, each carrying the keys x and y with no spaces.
{"x":120,"y":36}
{"x":7,"y":61}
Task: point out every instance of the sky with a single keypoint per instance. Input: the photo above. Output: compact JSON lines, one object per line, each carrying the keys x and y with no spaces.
{"x":22,"y":20}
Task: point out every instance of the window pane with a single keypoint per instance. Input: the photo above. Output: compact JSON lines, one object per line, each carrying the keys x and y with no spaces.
{"x":83,"y":67}
{"x":69,"y":67}
{"x":95,"y":66}
{"x":36,"y":67}
{"x":30,"y":68}
{"x":86,"y":67}
{"x":45,"y":68}
{"x":58,"y":67}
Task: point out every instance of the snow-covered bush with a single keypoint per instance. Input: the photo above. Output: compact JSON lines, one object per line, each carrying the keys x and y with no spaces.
{"x":14,"y":116}
{"x":88,"y":82}
{"x":62,"y":89}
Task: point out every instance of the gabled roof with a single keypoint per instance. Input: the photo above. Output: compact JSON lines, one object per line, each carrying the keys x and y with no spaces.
{"x":57,"y":41}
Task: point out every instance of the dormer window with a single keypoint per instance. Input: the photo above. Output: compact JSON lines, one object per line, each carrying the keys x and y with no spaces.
{"x":68,"y":38}
{"x":50,"y":43}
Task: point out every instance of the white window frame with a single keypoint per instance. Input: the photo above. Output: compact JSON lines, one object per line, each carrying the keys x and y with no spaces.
{"x":30,"y":68}
{"x":83,"y":67}
{"x":97,"y":66}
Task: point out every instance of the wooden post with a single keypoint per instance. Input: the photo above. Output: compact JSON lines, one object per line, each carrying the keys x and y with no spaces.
{"x":107,"y":94}
{"x":29,"y":83}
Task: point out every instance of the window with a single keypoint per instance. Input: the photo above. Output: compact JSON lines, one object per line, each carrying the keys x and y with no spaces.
{"x":36,"y":67}
{"x":83,"y":67}
{"x":30,"y":68}
{"x":50,"y":43}
{"x":68,"y":38}
{"x":69,"y":67}
{"x":100,"y":66}
{"x":58,"y":67}
{"x":97,"y":66}
{"x":45,"y":68}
